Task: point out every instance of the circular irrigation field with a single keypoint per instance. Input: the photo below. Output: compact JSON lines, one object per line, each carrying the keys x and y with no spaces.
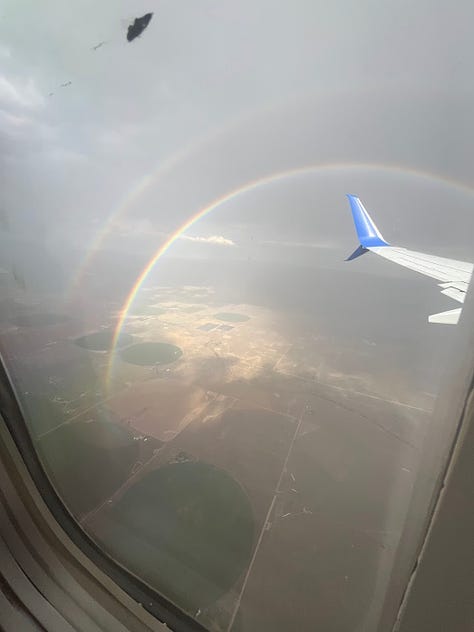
{"x":187,"y":529}
{"x":151,"y":353}
{"x":103,"y":340}
{"x":88,"y":461}
{"x":232,"y":317}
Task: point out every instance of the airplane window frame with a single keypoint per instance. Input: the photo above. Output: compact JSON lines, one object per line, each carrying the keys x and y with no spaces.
{"x":439,"y":593}
{"x":451,"y":418}
{"x":22,"y":476}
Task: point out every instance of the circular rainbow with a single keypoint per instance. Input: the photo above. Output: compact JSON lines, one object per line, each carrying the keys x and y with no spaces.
{"x":233,"y":194}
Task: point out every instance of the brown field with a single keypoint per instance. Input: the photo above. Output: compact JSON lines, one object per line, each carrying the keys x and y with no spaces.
{"x":159,"y":408}
{"x":319,"y":448}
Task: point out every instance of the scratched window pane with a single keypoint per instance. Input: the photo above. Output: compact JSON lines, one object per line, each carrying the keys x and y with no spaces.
{"x":228,"y":367}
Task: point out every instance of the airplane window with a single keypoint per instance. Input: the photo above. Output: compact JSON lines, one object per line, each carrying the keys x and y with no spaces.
{"x":235,"y":243}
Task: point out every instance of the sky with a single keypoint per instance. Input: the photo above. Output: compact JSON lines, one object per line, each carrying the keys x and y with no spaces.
{"x":358,"y":97}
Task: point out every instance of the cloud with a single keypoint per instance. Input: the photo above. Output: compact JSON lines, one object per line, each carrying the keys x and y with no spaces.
{"x":19,"y":94}
{"x":145,"y":227}
{"x":25,"y":128}
{"x":10,"y":121}
{"x":219,"y":240}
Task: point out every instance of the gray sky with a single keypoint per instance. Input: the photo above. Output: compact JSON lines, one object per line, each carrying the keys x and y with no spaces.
{"x":217,"y":94}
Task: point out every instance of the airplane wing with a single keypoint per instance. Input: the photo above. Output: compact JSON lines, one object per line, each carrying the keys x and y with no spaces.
{"x":453,"y":276}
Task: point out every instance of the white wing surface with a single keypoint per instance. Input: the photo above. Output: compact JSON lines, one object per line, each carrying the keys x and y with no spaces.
{"x":453,"y":276}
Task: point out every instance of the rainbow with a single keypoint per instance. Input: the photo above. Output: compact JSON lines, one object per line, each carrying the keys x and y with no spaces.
{"x":140,"y":187}
{"x":136,"y":192}
{"x":243,"y":189}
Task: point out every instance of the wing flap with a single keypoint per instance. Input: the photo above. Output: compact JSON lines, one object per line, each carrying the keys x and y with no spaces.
{"x":451,"y":317}
{"x":452,"y":292}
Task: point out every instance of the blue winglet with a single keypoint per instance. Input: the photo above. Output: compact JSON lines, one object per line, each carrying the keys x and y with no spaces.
{"x":367,"y":232}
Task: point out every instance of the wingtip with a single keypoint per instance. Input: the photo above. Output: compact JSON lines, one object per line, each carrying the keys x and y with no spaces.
{"x":367,"y":232}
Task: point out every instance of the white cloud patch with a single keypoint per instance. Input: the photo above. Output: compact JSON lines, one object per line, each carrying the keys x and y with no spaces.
{"x":22,"y":94}
{"x":10,"y":121}
{"x":218,"y":240}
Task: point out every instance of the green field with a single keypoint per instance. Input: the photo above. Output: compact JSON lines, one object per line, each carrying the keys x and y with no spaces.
{"x":103,"y":340}
{"x":87,"y":462}
{"x":42,"y":414}
{"x":52,"y":393}
{"x":187,"y":529}
{"x":151,"y":353}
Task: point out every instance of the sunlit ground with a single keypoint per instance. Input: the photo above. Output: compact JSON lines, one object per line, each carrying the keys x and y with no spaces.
{"x":296,"y":437}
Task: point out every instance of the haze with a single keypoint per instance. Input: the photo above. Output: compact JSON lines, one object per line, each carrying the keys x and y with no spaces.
{"x":298,"y":385}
